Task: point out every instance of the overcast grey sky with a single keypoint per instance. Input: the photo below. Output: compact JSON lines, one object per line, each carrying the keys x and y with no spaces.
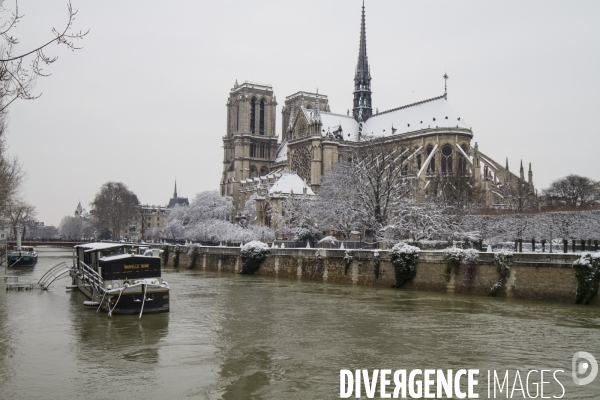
{"x":144,"y":101}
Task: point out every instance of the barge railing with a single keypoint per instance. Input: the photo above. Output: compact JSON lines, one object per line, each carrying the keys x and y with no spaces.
{"x":92,"y":277}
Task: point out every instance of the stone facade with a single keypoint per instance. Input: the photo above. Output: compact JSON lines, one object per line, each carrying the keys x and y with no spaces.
{"x":533,"y":276}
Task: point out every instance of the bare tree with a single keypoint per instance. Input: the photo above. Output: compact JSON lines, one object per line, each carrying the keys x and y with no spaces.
{"x":19,"y":70}
{"x":11,"y":175}
{"x":19,"y":212}
{"x":572,"y":190}
{"x":75,"y":227}
{"x":115,"y":207}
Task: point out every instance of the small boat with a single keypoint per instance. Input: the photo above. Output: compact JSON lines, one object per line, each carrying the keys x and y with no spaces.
{"x":119,"y":280}
{"x":24,"y":256}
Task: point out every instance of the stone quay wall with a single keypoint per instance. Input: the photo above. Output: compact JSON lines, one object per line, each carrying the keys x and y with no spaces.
{"x":537,"y":276}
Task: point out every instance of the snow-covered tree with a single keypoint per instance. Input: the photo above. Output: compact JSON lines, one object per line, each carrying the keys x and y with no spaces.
{"x":295,"y":217}
{"x":337,"y":207}
{"x":418,"y":220}
{"x":207,"y":219}
{"x":174,"y":227}
{"x":209,"y":205}
{"x":380,"y":171}
{"x":249,"y":213}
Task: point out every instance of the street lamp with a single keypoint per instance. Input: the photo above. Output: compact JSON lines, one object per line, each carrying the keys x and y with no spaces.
{"x":551,"y":239}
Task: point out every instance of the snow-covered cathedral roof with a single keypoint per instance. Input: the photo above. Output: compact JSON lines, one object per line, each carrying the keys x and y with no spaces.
{"x":331,"y":122}
{"x":290,"y":182}
{"x":281,"y":152}
{"x":428,"y":114}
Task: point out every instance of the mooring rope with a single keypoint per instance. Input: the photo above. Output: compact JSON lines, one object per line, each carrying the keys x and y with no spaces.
{"x":117,"y":302}
{"x":101,"y":301}
{"x":144,"y":299}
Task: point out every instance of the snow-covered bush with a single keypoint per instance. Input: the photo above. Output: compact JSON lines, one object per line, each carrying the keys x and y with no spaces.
{"x":404,"y":258}
{"x":328,"y":240}
{"x":165,"y":255}
{"x":376,"y":263}
{"x":193,"y":254}
{"x":318,"y":264}
{"x":453,"y":257}
{"x":587,"y":272}
{"x":502,"y":262}
{"x":176,"y":257}
{"x":253,"y":254}
{"x":348,"y":256}
{"x":470,"y":258}
{"x":305,"y":232}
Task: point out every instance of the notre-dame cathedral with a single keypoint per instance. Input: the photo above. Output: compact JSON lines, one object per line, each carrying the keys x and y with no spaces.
{"x":314,"y":139}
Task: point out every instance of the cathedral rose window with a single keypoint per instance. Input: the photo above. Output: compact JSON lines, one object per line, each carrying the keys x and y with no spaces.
{"x":301,"y":163}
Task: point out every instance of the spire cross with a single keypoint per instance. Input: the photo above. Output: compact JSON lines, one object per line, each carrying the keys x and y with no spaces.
{"x":446,"y":84}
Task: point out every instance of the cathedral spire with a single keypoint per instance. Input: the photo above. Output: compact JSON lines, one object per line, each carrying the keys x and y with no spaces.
{"x":175,"y":191}
{"x":362,"y":79}
{"x":522,"y":172}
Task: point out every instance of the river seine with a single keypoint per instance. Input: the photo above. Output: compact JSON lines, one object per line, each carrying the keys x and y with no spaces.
{"x":248,"y":337}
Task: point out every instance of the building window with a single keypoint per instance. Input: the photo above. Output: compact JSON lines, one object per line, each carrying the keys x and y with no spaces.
{"x":431,"y":166}
{"x":262,"y":117}
{"x":418,"y":162}
{"x":447,"y":159}
{"x":252,"y":115}
{"x":462,"y":162}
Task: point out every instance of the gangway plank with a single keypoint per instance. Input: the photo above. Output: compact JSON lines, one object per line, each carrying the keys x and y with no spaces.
{"x":57,"y":272}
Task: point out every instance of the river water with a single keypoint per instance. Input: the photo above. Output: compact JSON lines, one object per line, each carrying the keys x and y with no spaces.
{"x":248,"y":337}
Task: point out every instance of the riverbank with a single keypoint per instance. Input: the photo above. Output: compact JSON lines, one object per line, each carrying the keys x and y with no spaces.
{"x":533,"y":276}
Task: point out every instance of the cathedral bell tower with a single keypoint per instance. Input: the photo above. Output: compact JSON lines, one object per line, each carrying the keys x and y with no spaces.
{"x":250,"y":143}
{"x":362,"y":108}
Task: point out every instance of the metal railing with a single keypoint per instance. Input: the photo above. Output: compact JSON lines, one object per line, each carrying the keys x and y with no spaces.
{"x":91,"y":277}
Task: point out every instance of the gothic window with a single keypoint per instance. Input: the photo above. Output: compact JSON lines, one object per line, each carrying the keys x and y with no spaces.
{"x":264,"y":171}
{"x":262,"y":150}
{"x":252,"y":114}
{"x":447,"y":159}
{"x":418,"y":162}
{"x":301,"y":163}
{"x":431,"y":166}
{"x":462,"y":162}
{"x":302,"y":129}
{"x":252,"y":150}
{"x":262,"y":117}
{"x":252,"y":171}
